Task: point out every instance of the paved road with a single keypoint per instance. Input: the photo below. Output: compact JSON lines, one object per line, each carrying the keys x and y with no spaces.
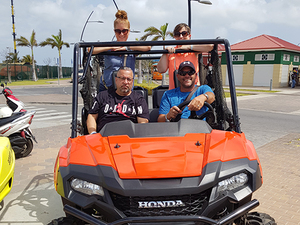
{"x":34,"y":201}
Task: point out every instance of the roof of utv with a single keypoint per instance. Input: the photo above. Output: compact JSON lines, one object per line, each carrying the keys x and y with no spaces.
{"x":138,"y":130}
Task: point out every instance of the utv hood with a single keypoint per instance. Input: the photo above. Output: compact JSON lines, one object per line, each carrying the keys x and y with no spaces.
{"x":158,"y":157}
{"x":153,"y":155}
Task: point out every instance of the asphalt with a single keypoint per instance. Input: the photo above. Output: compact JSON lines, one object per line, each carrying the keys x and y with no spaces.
{"x":33,"y":199}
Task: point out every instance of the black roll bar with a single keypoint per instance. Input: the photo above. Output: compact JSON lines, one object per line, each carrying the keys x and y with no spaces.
{"x":224,"y":42}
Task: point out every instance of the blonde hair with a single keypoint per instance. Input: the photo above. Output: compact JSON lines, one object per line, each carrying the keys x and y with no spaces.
{"x":121,"y":17}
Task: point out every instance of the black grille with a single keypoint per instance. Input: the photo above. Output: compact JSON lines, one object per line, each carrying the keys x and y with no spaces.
{"x":130,"y":206}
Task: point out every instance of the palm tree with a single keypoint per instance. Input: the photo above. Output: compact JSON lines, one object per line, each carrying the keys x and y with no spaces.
{"x":12,"y":57}
{"x":56,"y":41}
{"x":27,"y":59}
{"x":157,"y":33}
{"x":22,"y":41}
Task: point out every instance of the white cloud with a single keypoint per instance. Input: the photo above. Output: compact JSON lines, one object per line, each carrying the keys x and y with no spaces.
{"x":244,"y":26}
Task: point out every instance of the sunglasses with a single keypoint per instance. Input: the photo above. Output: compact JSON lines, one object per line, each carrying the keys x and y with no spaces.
{"x":183,"y":73}
{"x":124,"y":31}
{"x":183,"y":33}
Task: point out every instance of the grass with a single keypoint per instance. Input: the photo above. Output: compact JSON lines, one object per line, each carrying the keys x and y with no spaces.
{"x":30,"y":82}
{"x":252,"y":90}
{"x":149,"y":86}
{"x":227,"y":94}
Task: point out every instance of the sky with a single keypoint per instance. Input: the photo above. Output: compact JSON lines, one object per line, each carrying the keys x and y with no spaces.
{"x":235,"y":20}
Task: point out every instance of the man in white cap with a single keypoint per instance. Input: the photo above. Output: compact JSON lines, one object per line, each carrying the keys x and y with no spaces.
{"x":171,"y":99}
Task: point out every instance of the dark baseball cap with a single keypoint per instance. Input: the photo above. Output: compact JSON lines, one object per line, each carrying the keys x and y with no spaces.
{"x":186,"y":64}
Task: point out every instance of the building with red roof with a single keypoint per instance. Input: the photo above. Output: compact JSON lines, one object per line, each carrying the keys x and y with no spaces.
{"x":263,"y":61}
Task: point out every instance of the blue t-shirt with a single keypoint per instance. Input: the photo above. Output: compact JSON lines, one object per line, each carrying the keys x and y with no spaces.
{"x":113,"y":63}
{"x":174,"y":97}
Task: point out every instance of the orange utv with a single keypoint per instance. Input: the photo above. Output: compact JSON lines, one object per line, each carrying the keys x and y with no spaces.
{"x":192,"y":171}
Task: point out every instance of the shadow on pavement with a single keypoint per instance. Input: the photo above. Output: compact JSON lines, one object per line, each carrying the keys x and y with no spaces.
{"x":34,"y":203}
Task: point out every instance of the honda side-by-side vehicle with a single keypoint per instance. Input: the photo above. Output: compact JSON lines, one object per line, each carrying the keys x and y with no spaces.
{"x":192,"y":171}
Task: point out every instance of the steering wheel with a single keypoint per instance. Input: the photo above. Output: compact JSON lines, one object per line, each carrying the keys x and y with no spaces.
{"x":209,"y":114}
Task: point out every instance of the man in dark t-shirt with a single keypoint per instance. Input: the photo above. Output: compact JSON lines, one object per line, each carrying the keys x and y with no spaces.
{"x":116,"y":105}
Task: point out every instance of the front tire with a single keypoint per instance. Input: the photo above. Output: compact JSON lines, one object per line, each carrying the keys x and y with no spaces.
{"x":255,"y":218}
{"x":27,"y":149}
{"x":70,"y":220}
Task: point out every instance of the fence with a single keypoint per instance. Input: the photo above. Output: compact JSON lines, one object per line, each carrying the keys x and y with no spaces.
{"x":24,"y":72}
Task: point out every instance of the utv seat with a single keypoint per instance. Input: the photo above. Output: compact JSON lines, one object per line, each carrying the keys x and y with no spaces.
{"x":157,"y":94}
{"x":142,"y":91}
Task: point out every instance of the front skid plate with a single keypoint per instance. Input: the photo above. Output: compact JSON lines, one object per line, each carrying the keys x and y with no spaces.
{"x":157,"y":219}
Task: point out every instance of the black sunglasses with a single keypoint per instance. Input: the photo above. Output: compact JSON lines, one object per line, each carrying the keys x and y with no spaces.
{"x":183,"y":73}
{"x":124,"y":31}
{"x":183,"y":33}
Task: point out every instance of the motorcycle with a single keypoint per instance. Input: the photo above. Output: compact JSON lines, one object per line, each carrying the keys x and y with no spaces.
{"x":14,"y":124}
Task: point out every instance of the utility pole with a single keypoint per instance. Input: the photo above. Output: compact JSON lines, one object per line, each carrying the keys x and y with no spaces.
{"x":13,"y":26}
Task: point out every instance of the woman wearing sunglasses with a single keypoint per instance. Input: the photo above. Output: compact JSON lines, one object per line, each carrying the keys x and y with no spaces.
{"x":114,"y":62}
{"x":172,"y":60}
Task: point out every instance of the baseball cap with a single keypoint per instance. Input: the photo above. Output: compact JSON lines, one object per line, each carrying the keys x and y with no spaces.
{"x":186,"y":64}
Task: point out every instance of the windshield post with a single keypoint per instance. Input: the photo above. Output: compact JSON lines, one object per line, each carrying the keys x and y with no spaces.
{"x":75,"y":91}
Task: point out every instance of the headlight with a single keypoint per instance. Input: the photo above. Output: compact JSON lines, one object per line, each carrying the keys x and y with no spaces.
{"x":233,"y":182}
{"x":86,"y":187}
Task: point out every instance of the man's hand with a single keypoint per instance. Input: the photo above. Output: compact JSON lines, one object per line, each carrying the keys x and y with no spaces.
{"x":173,"y":113}
{"x":197,"y":103}
{"x":142,"y":120}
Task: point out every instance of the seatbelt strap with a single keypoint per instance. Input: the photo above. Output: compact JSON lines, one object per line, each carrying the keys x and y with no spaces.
{"x":191,"y":93}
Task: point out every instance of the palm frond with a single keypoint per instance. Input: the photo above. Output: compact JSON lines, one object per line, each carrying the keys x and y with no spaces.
{"x":157,"y":33}
{"x":33,"y":41}
{"x":22,"y":41}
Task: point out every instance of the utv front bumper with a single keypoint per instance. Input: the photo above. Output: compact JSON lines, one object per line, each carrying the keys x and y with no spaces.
{"x":229,"y":218}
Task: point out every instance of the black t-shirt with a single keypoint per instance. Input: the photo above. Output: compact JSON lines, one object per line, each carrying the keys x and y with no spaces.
{"x":112,"y":107}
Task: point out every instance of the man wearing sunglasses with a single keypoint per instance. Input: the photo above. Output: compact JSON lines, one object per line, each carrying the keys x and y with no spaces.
{"x":116,"y":104}
{"x":171,"y":99}
{"x":172,"y":60}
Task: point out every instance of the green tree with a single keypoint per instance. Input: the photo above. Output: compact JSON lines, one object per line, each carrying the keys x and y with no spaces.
{"x":56,"y":41}
{"x":22,"y":41}
{"x":157,"y":33}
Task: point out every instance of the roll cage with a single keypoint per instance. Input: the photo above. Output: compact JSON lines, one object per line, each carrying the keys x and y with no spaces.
{"x":225,"y":119}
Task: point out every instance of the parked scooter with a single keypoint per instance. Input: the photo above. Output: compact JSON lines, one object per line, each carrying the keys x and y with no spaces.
{"x":14,"y":124}
{"x":11,"y":101}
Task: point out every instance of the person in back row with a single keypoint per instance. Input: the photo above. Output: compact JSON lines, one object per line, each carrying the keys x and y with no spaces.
{"x":118,"y":104}
{"x":172,"y":98}
{"x":172,"y":60}
{"x":114,"y":62}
